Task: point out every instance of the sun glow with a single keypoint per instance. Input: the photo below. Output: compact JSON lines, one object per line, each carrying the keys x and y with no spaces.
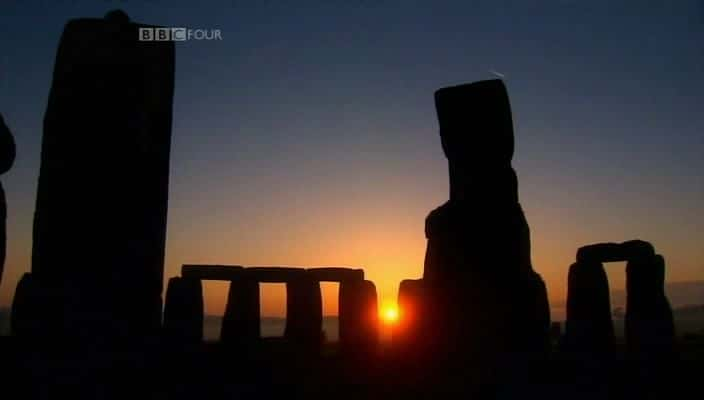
{"x":390,"y":314}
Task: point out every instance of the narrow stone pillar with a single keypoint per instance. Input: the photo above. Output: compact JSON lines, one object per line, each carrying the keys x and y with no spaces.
{"x":359,"y":317}
{"x":589,"y":328}
{"x":650,"y":330}
{"x":408,"y":334}
{"x":370,"y":316}
{"x":304,"y":313}
{"x":183,"y":311}
{"x":240,"y":324}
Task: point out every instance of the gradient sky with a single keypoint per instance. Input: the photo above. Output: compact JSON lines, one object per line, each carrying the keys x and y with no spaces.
{"x":308,"y":135}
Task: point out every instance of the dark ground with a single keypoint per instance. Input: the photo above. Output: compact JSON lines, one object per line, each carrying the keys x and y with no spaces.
{"x":272,"y":371}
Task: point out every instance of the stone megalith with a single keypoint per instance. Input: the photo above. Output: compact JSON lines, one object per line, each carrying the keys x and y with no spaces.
{"x":359,"y":323}
{"x":650,"y":330}
{"x":589,"y":328}
{"x":409,"y":332}
{"x":240,"y":324}
{"x":183,"y":311}
{"x":304,"y":313}
{"x":100,"y":218}
{"x":7,"y":158}
{"x":613,"y":252}
{"x":649,"y":321}
{"x":482,"y":294}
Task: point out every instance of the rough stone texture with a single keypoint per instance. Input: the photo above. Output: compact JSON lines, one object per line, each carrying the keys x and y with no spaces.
{"x":483,"y":299}
{"x":212,"y":272}
{"x":183,"y":311}
{"x":589,"y":328}
{"x":650,"y":330}
{"x":304,"y":314}
{"x":100,"y":218}
{"x":7,"y":158}
{"x":613,"y":252}
{"x":358,"y":316}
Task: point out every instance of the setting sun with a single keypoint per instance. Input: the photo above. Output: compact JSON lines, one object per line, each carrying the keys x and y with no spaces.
{"x":390,"y":314}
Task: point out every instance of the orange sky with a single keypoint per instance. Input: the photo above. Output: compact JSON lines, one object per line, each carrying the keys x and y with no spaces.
{"x":382,"y":234}
{"x":316,"y":143}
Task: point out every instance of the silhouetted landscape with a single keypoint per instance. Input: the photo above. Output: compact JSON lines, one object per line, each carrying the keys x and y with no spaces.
{"x":96,"y":315}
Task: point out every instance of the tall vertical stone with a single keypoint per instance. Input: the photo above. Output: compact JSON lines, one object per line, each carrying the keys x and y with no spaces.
{"x":240,"y":324}
{"x":304,"y":313}
{"x":184,"y":311}
{"x":650,"y":330}
{"x":7,"y":158}
{"x":100,"y":219}
{"x":482,"y":294}
{"x":358,"y":310}
{"x":370,"y":317}
{"x":589,"y":328}
{"x":407,"y":337}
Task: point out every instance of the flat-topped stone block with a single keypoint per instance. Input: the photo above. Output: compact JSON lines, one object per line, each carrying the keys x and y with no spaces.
{"x":211,"y":272}
{"x":336,"y":274}
{"x":614,"y":252}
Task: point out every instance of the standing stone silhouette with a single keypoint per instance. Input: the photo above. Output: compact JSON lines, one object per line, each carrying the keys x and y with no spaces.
{"x":100,"y":219}
{"x":487,"y":303}
{"x":358,"y":310}
{"x":304,"y":314}
{"x":240,"y":324}
{"x":184,"y":312}
{"x":7,"y":158}
{"x":649,"y":321}
{"x":589,"y":328}
{"x":650,"y":329}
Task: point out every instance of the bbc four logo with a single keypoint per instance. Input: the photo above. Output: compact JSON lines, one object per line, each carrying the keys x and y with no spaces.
{"x":177,"y":34}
